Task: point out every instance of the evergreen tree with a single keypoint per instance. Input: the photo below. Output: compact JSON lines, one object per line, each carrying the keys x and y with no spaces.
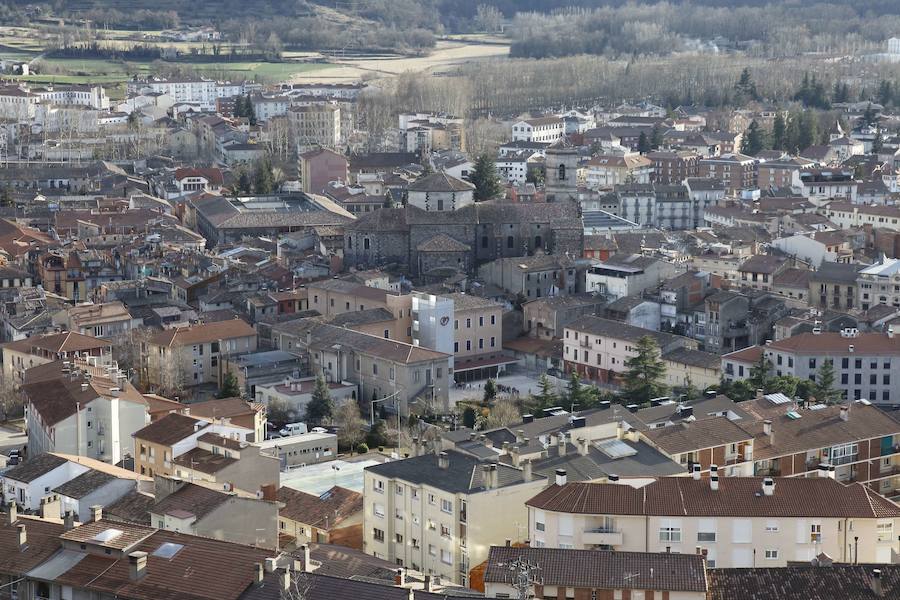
{"x":656,"y":137}
{"x":239,"y":108}
{"x":643,"y":143}
{"x":645,"y":372}
{"x":6,"y":197}
{"x":778,"y":132}
{"x":885,"y":93}
{"x":824,"y":388}
{"x":878,"y":143}
{"x":841,"y":93}
{"x":230,"y":387}
{"x":746,"y":86}
{"x":490,"y":391}
{"x":870,"y":116}
{"x":468,"y":417}
{"x":759,"y":373}
{"x":546,"y":396}
{"x":754,"y":140}
{"x":263,"y":180}
{"x":485,"y":179}
{"x":807,"y":129}
{"x":244,"y":184}
{"x":320,"y":407}
{"x":792,"y":135}
{"x":580,"y":394}
{"x":250,"y":112}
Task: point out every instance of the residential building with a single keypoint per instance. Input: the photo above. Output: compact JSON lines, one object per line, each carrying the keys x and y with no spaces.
{"x":597,"y":349}
{"x":477,"y":337}
{"x":195,"y":509}
{"x":21,"y":355}
{"x":822,"y":579}
{"x":319,"y":167}
{"x":736,"y":521}
{"x":440,"y":192}
{"x":736,"y":171}
{"x":862,"y":361}
{"x":425,"y":132}
{"x":539,"y":276}
{"x":824,"y":185}
{"x":301,"y":449}
{"x":833,"y":285}
{"x":543,"y":129}
{"x":397,"y":373}
{"x":190,"y":355}
{"x":106,"y":320}
{"x":848,"y":215}
{"x":28,"y":484}
{"x":439,"y":514}
{"x":335,"y":516}
{"x":673,"y":167}
{"x":606,"y":171}
{"x":545,"y":318}
{"x":877,"y":283}
{"x":686,"y":367}
{"x":627,"y":275}
{"x":316,"y":125}
{"x":101,"y":485}
{"x":597,"y":574}
{"x":233,"y":411}
{"x":82,"y":408}
{"x":759,"y":271}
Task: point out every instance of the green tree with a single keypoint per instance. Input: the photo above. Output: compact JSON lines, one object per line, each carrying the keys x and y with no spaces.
{"x":841,"y":93}
{"x":468,"y":417}
{"x":6,"y":197}
{"x":783,"y":384}
{"x":643,"y":143}
{"x":690,"y":391}
{"x":739,"y":391}
{"x":320,"y":407}
{"x":878,"y":142}
{"x":806,"y":388}
{"x":244,"y":183}
{"x":263,"y":179}
{"x":239,"y":107}
{"x":490,"y":391}
{"x":249,"y":111}
{"x":584,"y":396}
{"x":350,"y":424}
{"x":885,"y":93}
{"x":870,"y":116}
{"x":485,"y":179}
{"x":645,"y":372}
{"x":546,"y":396}
{"x":778,"y":132}
{"x":807,"y":129}
{"x":656,"y":137}
{"x":754,"y":140}
{"x":759,"y":373}
{"x":230,"y":387}
{"x":746,"y":87}
{"x":824,"y":388}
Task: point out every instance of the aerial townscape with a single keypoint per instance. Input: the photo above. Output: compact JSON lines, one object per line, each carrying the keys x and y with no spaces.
{"x":450,"y":299}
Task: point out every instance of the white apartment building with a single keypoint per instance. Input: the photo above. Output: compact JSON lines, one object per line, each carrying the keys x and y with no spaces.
{"x":316,"y":125}
{"x":17,"y":103}
{"x":848,"y":215}
{"x":738,"y":522}
{"x":92,"y":96}
{"x":627,"y":274}
{"x":439,"y":514}
{"x":544,"y":129}
{"x":200,"y":91}
{"x":879,"y":283}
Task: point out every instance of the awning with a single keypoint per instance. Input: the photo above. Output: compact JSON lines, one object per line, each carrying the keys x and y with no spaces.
{"x":481,"y":361}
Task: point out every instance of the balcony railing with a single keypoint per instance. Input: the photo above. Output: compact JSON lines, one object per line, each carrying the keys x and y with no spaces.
{"x":602,"y":536}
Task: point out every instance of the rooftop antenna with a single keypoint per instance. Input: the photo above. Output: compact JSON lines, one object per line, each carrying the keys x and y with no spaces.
{"x":524,"y":577}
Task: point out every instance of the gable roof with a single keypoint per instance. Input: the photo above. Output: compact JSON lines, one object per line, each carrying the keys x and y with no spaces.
{"x":170,"y":429}
{"x":35,"y":467}
{"x":833,"y":582}
{"x":203,"y":333}
{"x":190,"y":500}
{"x":325,"y":511}
{"x":440,"y":182}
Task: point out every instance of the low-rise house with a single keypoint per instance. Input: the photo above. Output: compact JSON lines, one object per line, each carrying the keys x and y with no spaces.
{"x":833,"y":285}
{"x":22,"y":355}
{"x":99,"y":320}
{"x":545,"y":318}
{"x":759,"y":271}
{"x":192,"y":508}
{"x":301,"y":449}
{"x":292,"y":395}
{"x":233,"y":411}
{"x":102,"y":484}
{"x":685,"y":367}
{"x":875,"y":283}
{"x":606,"y":171}
{"x":333,"y":517}
{"x":737,"y":521}
{"x":597,"y":574}
{"x":627,"y":275}
{"x":534,"y":276}
{"x":822,"y":579}
{"x":477,"y":337}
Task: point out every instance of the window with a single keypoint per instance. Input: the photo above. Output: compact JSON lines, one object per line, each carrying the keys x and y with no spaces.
{"x":885,"y":531}
{"x":845,"y":363}
{"x":540,"y":526}
{"x":812,"y":363}
{"x":378,"y":510}
{"x":398,"y":538}
{"x":432,"y":550}
{"x":398,"y":489}
{"x":493,"y":319}
{"x":670,"y":534}
{"x":378,"y":486}
{"x":446,"y":557}
{"x":481,"y":321}
{"x":374,"y":369}
{"x":447,"y":506}
{"x":445,"y":531}
{"x":771,"y":526}
{"x":815,"y":533}
{"x":431,"y":499}
{"x":706,"y":530}
{"x":771,"y":554}
{"x":378,"y":534}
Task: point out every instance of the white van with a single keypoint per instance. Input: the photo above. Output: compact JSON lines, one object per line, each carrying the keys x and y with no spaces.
{"x":293,"y":429}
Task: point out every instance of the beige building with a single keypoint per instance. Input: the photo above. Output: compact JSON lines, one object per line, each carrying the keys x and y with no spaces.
{"x":440,"y":514}
{"x":24,"y":354}
{"x":333,"y":297}
{"x":477,"y":337}
{"x":190,"y":355}
{"x":401,"y":376}
{"x":692,"y":367}
{"x":101,"y":320}
{"x":334,"y":517}
{"x":316,"y":125}
{"x":736,"y":521}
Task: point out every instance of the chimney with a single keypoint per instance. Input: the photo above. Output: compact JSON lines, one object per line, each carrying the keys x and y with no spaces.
{"x":84,"y":387}
{"x":506,"y":448}
{"x":890,"y":332}
{"x":486,"y":479}
{"x":23,"y":536}
{"x":714,"y":483}
{"x":400,"y":578}
{"x":285,"y":578}
{"x":582,"y":446}
{"x":415,"y":444}
{"x":13,"y":509}
{"x":561,"y":445}
{"x":68,"y":521}
{"x":695,"y":472}
{"x":823,"y":470}
{"x":495,"y":477}
{"x":260,"y":573}
{"x":271,"y":564}
{"x":520,"y":436}
{"x":50,"y":507}
{"x":612,"y":478}
{"x":137,"y":562}
{"x":443,"y":461}
{"x":527,"y":473}
{"x":832,"y":472}
{"x":620,"y":430}
{"x":307,"y":560}
{"x":768,"y":486}
{"x":767,"y":430}
{"x":96,"y":513}
{"x":877,"y":588}
{"x":528,"y":418}
{"x":845,"y":413}
{"x":427,"y":587}
{"x":560,"y":477}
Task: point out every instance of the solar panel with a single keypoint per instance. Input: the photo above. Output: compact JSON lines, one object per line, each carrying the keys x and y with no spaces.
{"x":817,"y":406}
{"x":167,"y":550}
{"x":778,"y":398}
{"x":793,"y":415}
{"x":615,"y":448}
{"x":107,"y":535}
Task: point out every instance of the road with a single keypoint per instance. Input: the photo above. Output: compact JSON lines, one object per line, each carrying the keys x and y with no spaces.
{"x":11,"y":438}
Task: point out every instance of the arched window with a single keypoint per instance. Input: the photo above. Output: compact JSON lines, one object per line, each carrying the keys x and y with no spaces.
{"x":562,"y":172}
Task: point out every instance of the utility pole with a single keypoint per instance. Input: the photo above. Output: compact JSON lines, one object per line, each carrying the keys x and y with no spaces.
{"x":524,"y":577}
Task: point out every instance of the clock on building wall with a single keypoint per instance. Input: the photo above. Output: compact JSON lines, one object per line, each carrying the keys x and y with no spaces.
{"x":445,"y":320}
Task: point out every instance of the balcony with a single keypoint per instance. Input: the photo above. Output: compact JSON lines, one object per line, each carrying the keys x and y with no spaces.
{"x":602,"y":536}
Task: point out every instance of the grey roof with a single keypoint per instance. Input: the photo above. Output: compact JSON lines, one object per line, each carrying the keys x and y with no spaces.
{"x":694,"y":358}
{"x":362,"y":317}
{"x":83,"y":485}
{"x":597,"y":326}
{"x":468,"y":301}
{"x":837,"y":272}
{"x":442,"y":243}
{"x":440,"y":182}
{"x":36,"y":467}
{"x":463,"y":474}
{"x":646,"y":462}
